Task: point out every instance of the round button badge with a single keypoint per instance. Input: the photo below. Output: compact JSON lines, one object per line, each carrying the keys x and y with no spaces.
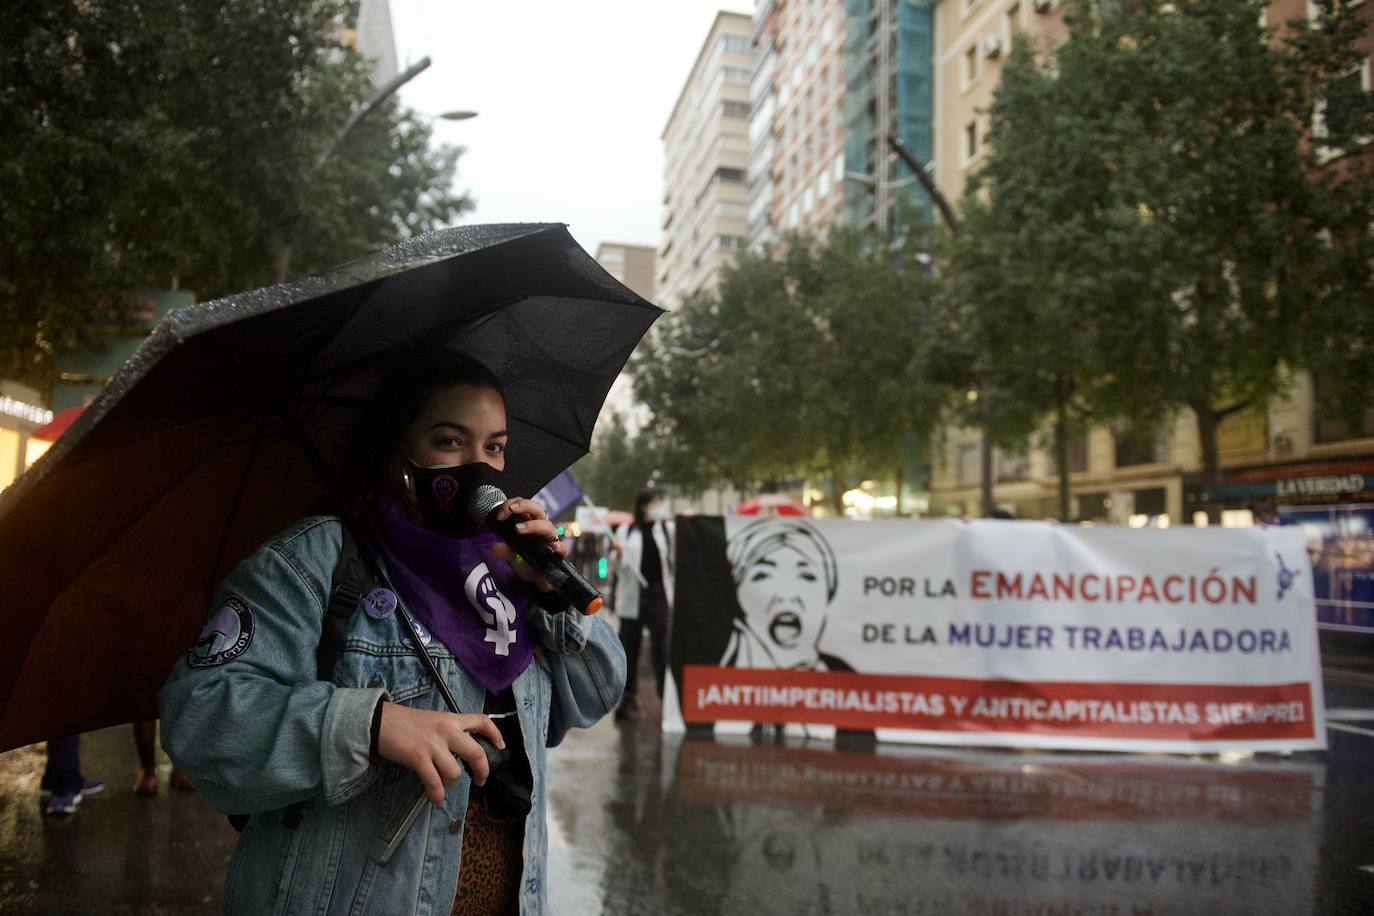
{"x":380,"y":603}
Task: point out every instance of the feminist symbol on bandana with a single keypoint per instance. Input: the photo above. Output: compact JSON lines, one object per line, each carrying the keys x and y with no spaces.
{"x":494,"y":608}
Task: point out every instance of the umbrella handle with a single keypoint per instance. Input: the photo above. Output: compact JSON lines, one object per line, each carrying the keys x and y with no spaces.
{"x":384,"y":846}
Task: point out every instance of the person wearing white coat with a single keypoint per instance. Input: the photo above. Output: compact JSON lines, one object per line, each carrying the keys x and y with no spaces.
{"x":644,"y":589}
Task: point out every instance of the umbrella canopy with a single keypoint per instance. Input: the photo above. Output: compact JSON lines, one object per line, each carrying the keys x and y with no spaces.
{"x":230,"y":420}
{"x":770,"y":504}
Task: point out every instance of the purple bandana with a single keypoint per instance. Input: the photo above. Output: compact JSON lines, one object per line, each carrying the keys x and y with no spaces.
{"x":466,"y":596}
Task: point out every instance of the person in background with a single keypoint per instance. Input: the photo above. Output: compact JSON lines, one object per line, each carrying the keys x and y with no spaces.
{"x":62,"y":779}
{"x":145,"y":740}
{"x":644,"y":589}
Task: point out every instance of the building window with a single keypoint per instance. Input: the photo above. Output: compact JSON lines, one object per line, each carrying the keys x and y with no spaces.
{"x":737,"y":44}
{"x":735,"y":109}
{"x":1140,"y":443}
{"x":967,"y":470}
{"x":1341,"y":110}
{"x":1329,"y":424}
{"x":970,"y":65}
{"x":1010,"y":467}
{"x":1078,"y":454}
{"x":1013,"y":20}
{"x":970,"y":141}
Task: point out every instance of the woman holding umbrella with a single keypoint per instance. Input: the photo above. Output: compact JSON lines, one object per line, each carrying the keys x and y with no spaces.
{"x":324,"y":767}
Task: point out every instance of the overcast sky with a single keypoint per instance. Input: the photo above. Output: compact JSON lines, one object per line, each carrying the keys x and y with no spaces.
{"x":572,"y":100}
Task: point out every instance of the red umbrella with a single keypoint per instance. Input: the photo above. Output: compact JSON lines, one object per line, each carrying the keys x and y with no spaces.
{"x":57,"y":426}
{"x":771,"y":504}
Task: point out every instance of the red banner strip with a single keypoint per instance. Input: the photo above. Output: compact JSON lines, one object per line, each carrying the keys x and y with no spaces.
{"x":1178,"y":712}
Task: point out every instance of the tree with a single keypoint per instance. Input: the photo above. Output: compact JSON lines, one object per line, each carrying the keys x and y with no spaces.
{"x":159,"y":144}
{"x":809,"y":360}
{"x":1263,"y":245}
{"x":618,"y":466}
{"x":1040,"y":248}
{"x":1154,"y":209}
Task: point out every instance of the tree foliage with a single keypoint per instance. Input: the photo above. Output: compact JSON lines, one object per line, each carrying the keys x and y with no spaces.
{"x":1152,"y":226}
{"x":618,"y":467}
{"x":158,"y":143}
{"x":809,"y":359}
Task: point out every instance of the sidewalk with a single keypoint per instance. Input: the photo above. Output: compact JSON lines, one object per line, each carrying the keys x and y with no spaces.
{"x":119,"y":853}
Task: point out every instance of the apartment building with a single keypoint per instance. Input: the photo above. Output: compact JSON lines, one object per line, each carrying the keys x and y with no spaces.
{"x":833,"y":83}
{"x":706,"y":152}
{"x":762,"y":103}
{"x":371,"y":35}
{"x":1127,"y":474}
{"x":973,"y":40}
{"x":632,"y":265}
{"x":889,"y":67}
{"x":806,"y":117}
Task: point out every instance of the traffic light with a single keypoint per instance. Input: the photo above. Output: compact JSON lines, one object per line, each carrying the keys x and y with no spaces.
{"x":601,"y":568}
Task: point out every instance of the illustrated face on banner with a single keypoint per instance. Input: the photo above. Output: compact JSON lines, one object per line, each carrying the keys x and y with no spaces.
{"x":784,"y":579}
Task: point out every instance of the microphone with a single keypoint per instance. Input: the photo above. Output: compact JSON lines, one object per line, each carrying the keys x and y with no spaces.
{"x":534,"y":550}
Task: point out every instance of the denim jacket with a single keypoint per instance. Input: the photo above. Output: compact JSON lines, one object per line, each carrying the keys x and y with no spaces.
{"x":245,"y":717}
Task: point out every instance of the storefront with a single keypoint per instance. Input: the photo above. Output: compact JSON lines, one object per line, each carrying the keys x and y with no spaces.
{"x":21,"y":412}
{"x":1261,"y":492}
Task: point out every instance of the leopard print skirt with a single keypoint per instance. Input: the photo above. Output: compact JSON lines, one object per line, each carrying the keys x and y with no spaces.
{"x":491,"y":865}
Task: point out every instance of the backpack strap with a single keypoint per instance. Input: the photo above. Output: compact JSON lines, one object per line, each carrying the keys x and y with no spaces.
{"x":353,"y":578}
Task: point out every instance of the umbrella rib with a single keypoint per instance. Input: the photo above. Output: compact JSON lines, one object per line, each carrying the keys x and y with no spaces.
{"x":315,"y":459}
{"x":238,"y":498}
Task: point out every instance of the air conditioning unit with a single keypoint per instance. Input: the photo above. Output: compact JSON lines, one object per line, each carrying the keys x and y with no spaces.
{"x":1042,"y":6}
{"x":992,"y":46}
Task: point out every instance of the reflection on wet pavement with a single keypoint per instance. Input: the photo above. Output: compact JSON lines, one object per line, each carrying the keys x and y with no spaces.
{"x":120,"y":853}
{"x":697,"y":826}
{"x":642,"y":823}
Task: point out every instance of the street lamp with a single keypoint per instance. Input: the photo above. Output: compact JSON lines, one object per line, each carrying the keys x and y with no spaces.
{"x":366,"y":108}
{"x":383,"y":93}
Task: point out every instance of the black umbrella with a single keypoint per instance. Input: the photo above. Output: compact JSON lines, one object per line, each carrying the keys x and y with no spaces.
{"x":228,"y":424}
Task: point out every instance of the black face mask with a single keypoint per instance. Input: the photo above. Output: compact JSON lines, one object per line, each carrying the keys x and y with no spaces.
{"x":444,"y":492}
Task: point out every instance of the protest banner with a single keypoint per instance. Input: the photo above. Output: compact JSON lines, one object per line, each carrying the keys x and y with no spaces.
{"x":1021,"y":634}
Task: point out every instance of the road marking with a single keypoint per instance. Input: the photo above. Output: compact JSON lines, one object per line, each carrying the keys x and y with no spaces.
{"x":1351,"y":714}
{"x":1350,"y":728}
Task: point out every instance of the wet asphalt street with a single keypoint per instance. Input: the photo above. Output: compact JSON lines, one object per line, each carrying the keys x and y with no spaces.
{"x":642,"y":823}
